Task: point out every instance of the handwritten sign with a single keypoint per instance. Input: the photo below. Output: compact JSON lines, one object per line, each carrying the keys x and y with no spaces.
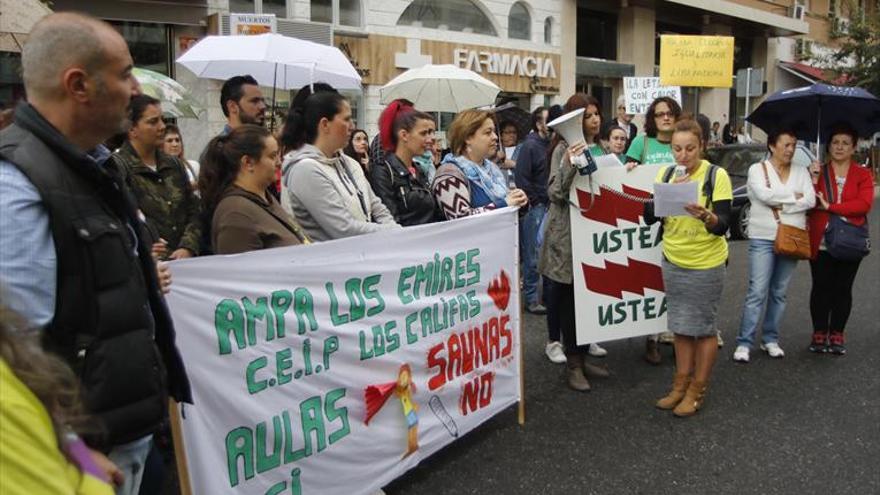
{"x":250,"y":24}
{"x":639,"y":92}
{"x":705,"y":61}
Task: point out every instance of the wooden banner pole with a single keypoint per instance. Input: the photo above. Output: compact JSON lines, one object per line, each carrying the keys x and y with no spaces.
{"x":179,"y":450}
{"x":521,"y":409}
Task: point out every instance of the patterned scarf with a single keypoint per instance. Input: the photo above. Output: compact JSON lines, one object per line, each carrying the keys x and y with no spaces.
{"x":487,"y":177}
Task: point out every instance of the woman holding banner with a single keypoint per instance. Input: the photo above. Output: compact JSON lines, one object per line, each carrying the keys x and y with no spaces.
{"x":694,"y":264}
{"x":237,"y":170}
{"x":328,"y":191}
{"x":653,"y":148}
{"x":467,"y":182}
{"x":398,"y":180}
{"x":555,"y":259}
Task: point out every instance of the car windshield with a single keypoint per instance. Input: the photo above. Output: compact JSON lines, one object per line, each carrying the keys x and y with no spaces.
{"x":738,"y":161}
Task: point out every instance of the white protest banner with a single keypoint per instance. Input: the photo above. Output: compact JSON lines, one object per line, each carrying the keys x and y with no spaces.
{"x":286,"y":348}
{"x":639,"y":92}
{"x":618,"y":284}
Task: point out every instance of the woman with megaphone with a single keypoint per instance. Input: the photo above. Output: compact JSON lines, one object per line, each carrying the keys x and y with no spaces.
{"x":567,"y":159}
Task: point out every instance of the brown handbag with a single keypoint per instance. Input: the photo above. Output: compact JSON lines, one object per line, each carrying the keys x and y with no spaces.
{"x":790,"y":241}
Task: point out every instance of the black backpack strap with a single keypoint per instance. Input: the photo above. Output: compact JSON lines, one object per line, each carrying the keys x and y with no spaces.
{"x":709,"y":184}
{"x":667,"y":174}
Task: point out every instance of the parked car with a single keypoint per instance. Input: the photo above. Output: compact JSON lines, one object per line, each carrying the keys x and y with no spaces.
{"x":736,"y":160}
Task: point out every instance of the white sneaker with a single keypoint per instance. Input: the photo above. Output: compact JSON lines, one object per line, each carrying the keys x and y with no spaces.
{"x":597,"y":351}
{"x":773,"y":350}
{"x":741,"y":354}
{"x":667,"y":338}
{"x":555,"y":353}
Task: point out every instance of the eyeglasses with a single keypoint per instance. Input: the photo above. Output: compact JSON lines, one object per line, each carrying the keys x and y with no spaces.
{"x":660,"y":115}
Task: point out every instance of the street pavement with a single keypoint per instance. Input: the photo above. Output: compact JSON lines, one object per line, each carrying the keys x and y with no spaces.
{"x":804,"y":424}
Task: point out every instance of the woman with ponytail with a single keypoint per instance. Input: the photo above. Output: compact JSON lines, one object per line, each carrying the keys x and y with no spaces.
{"x":237,"y":170}
{"x":398,"y":180}
{"x":328,"y":191}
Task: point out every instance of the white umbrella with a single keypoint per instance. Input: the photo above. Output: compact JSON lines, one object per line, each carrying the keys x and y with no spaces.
{"x":272,"y":59}
{"x":441,"y":88}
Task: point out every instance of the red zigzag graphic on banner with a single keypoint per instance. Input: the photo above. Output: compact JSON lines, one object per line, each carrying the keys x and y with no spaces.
{"x":614,"y":278}
{"x":607,"y":206}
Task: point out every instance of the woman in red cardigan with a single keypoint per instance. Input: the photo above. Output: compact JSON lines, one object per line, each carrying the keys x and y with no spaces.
{"x":853,"y":194}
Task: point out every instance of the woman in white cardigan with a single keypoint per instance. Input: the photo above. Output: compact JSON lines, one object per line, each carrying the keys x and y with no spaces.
{"x":773,"y":184}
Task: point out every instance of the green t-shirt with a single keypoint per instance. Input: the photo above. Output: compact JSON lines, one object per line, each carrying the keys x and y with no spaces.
{"x":658,"y":153}
{"x":596,"y":150}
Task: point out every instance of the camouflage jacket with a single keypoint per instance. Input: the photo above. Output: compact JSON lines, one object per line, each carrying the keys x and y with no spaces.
{"x":165,"y":197}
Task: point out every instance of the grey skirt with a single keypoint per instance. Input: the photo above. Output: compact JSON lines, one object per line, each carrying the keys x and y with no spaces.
{"x":692,"y":298}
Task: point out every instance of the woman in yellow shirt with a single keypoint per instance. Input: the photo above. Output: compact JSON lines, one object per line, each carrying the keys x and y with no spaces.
{"x":694,"y":265}
{"x":39,"y":453}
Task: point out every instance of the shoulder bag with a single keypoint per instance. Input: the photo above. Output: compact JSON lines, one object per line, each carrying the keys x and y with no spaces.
{"x":790,"y":241}
{"x":844,"y":241}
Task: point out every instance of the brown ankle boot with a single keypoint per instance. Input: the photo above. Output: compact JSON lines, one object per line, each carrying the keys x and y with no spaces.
{"x":575,"y":372}
{"x":692,"y":401}
{"x":594,"y":370}
{"x":679,"y":386}
{"x":652,"y":353}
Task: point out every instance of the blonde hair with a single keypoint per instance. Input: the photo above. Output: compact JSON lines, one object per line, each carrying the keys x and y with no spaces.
{"x":465,"y":125}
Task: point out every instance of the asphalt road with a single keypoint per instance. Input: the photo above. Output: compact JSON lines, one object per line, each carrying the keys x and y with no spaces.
{"x":804,"y":424}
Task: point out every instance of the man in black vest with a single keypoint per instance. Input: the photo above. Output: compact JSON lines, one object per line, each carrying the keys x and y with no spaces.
{"x":74,"y":255}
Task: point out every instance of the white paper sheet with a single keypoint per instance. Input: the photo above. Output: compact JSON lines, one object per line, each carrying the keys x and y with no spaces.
{"x":670,"y":199}
{"x":609,"y":160}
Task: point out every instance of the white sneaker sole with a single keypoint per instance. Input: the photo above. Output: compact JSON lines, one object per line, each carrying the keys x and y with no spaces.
{"x":777,"y":356}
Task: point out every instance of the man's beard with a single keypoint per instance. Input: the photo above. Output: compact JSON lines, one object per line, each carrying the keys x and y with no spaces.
{"x":250,"y":119}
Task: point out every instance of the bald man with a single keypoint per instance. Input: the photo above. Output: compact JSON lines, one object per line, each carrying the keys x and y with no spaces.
{"x":73,"y":253}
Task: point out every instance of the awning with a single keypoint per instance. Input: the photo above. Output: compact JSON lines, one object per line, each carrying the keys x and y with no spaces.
{"x":811,"y":74}
{"x":593,"y":67}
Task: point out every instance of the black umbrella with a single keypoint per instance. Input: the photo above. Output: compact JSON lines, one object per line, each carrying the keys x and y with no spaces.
{"x":812,"y":110}
{"x":509,"y":112}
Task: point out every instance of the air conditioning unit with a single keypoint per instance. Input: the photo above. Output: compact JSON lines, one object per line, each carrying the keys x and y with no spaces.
{"x":798,"y":11}
{"x":803,"y":49}
{"x":311,"y":31}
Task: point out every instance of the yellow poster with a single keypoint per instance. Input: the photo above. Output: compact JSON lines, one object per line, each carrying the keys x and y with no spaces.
{"x":705,"y":61}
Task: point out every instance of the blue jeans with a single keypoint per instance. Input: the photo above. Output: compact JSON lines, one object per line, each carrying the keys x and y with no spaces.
{"x":528,"y":251}
{"x":769,"y":274}
{"x":130,"y":459}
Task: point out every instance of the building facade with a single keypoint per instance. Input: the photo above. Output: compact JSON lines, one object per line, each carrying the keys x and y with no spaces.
{"x":538,"y":51}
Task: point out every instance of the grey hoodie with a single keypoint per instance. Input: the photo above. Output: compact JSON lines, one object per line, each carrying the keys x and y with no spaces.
{"x":330,"y":197}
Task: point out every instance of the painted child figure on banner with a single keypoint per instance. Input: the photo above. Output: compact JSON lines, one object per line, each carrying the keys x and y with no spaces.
{"x":375,"y":396}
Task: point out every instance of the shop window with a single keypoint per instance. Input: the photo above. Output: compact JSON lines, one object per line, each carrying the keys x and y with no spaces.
{"x":322,"y":11}
{"x":339,"y":12}
{"x":596,"y":34}
{"x":548,"y":30}
{"x":242,"y":6}
{"x":350,"y":12}
{"x":277,"y":7}
{"x":449,"y":15}
{"x":519,"y":22}
{"x":148,"y":43}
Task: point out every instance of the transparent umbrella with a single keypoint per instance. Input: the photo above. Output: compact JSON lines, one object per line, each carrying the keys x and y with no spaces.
{"x":176,"y":100}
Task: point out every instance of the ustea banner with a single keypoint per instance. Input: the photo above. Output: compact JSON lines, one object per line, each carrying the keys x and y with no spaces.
{"x":705,"y":61}
{"x":335,"y":367}
{"x":639,"y":92}
{"x":618,"y":284}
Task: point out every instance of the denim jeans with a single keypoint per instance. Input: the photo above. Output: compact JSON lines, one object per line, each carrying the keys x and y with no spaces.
{"x":130,"y":459}
{"x":769,"y":274}
{"x":528,"y":251}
